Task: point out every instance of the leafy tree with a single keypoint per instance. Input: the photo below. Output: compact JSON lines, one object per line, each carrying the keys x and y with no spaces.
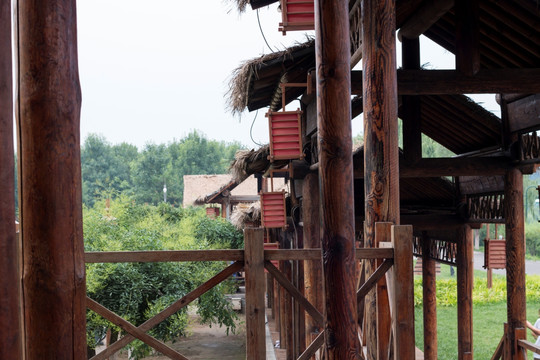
{"x":149,"y":175}
{"x":137,"y":291}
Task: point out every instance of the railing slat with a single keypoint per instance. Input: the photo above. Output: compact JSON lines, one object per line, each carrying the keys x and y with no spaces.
{"x":163,"y":256}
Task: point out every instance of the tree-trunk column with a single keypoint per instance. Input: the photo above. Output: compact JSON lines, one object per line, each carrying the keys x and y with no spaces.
{"x":51,"y":210}
{"x":515,"y":256}
{"x":464,"y":261}
{"x":381,"y":172}
{"x":313,"y":269}
{"x":336,"y":177}
{"x":10,"y":324}
{"x":429,"y":291}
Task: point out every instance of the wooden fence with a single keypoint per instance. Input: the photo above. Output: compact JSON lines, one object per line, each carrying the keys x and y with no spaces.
{"x":253,"y":260}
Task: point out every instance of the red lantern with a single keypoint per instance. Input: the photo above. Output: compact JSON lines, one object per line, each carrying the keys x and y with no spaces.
{"x":273,"y":211}
{"x":297,"y":15}
{"x":285,"y":135}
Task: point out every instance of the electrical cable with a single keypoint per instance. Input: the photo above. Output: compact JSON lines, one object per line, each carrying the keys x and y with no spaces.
{"x":262,"y":32}
{"x":251,"y":129}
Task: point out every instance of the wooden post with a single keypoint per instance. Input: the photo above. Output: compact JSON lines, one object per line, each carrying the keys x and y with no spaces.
{"x":10,"y":324}
{"x":403,"y":297}
{"x":515,"y":257}
{"x":313,"y":269}
{"x":254,"y":268}
{"x":411,"y":112}
{"x":383,"y":233}
{"x":332,"y":56}
{"x":51,"y":210}
{"x":286,"y":333}
{"x":464,"y":261}
{"x":467,"y":36}
{"x":429,"y":292}
{"x":380,"y":133}
{"x":300,"y":318}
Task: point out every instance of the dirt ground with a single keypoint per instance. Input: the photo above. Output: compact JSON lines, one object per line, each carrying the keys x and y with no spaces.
{"x":207,"y":343}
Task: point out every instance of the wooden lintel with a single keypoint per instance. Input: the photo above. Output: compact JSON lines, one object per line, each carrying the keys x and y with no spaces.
{"x":436,"y":167}
{"x":485,"y":81}
{"x":426,"y":15}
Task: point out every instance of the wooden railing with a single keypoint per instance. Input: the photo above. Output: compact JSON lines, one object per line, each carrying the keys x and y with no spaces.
{"x":252,"y":260}
{"x":522,"y":345}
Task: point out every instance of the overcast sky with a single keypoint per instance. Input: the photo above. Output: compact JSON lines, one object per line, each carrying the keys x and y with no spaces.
{"x":151,"y":72}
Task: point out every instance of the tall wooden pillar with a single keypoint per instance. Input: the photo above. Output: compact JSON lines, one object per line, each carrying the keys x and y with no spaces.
{"x":429,"y":293}
{"x":381,"y":172}
{"x":464,"y":261}
{"x":51,"y":209}
{"x":10,"y":324}
{"x":336,"y":177}
{"x":410,"y":108}
{"x":313,"y":269}
{"x":515,"y":258}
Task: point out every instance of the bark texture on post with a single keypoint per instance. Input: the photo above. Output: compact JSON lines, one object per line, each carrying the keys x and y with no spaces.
{"x":381,"y":172}
{"x":53,"y":254}
{"x":313,"y":269}
{"x":10,"y":324}
{"x":464,"y":262}
{"x":336,"y":177}
{"x":429,"y":292}
{"x":515,"y":257}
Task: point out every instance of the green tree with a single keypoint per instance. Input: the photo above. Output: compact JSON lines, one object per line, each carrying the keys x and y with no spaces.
{"x":149,"y":175}
{"x":137,"y":291}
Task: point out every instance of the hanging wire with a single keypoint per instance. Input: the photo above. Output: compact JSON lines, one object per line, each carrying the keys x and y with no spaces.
{"x":251,"y":129}
{"x":262,"y":32}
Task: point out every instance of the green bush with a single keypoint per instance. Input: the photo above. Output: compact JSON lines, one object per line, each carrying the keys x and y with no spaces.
{"x":137,"y":291}
{"x":532,"y":238}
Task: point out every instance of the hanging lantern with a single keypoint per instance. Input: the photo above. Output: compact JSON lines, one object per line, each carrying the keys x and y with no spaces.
{"x":297,"y":15}
{"x":285,"y":135}
{"x":273,"y":211}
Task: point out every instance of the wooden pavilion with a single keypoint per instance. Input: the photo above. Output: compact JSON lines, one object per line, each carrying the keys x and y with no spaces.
{"x":344,"y":198}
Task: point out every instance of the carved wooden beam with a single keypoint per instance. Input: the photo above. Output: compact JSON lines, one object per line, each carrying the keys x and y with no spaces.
{"x":485,"y":81}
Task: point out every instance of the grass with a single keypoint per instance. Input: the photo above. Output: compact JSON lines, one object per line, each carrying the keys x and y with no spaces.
{"x":488,"y":320}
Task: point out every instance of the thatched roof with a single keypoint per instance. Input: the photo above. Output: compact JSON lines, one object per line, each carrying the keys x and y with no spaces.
{"x":248,"y":162}
{"x":283,"y":62}
{"x":244,"y":213}
{"x":201,"y":185}
{"x":232,"y":189}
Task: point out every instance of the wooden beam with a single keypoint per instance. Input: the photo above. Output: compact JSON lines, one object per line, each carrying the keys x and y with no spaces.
{"x":403,"y":295}
{"x":515,"y":257}
{"x":429,"y":296}
{"x":255,"y":313}
{"x":411,"y":106}
{"x":464,"y":260}
{"x":10,"y":321}
{"x":485,"y":81}
{"x":333,"y":61}
{"x":379,"y":93}
{"x":312,"y":240}
{"x":523,"y":114}
{"x":437,"y":167}
{"x":163,"y":256}
{"x":54,"y":289}
{"x":467,"y":36}
{"x":427,"y":14}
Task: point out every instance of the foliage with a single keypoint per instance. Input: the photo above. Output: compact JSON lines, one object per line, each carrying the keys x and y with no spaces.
{"x":110,"y":169}
{"x":136,"y":291}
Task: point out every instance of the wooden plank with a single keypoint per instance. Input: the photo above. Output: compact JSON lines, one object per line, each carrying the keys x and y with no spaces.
{"x":529,"y":346}
{"x":372,"y":280}
{"x":464,"y":261}
{"x":427,"y":14}
{"x":429,"y":296}
{"x":316,"y":254}
{"x":254,"y":268}
{"x":380,"y":99}
{"x":485,"y":81}
{"x":163,"y":256}
{"x":49,"y":100}
{"x":332,"y":55}
{"x":283,"y":281}
{"x":499,"y":350}
{"x":403,"y":278}
{"x":524,"y":113}
{"x":313,"y":347}
{"x":173,"y":308}
{"x":515,"y":256}
{"x":133,"y":330}
{"x":10,"y":321}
